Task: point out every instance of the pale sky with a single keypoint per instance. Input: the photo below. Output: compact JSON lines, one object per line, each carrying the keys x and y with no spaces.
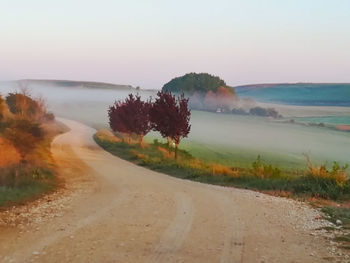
{"x":146,"y":43}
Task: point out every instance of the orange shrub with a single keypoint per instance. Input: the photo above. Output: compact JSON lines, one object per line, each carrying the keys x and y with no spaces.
{"x":8,"y":153}
{"x":106,"y":135}
{"x":139,"y":155}
{"x":224,"y":170}
{"x":165,"y":152}
{"x":337,"y":173}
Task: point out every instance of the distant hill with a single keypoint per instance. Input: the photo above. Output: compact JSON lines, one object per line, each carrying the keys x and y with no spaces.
{"x":78,"y":84}
{"x":317,"y":94}
{"x":195,"y":82}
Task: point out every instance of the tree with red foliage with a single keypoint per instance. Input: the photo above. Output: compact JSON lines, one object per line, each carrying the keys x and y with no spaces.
{"x":225,"y":98}
{"x":130,"y":116}
{"x":210,"y":102}
{"x":171,"y":116}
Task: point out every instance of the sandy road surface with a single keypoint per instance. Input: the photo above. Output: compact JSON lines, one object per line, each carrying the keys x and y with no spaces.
{"x":137,"y":215}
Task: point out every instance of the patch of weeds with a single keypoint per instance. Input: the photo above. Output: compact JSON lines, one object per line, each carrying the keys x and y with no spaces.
{"x":340,"y":213}
{"x":25,"y":180}
{"x":344,"y":238}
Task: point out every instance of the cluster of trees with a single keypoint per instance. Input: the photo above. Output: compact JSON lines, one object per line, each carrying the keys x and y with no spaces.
{"x":21,"y":117}
{"x":258,"y":111}
{"x":195,"y":82}
{"x":265,"y":112}
{"x":167,"y":114}
{"x":205,"y":91}
{"x":222,"y":100}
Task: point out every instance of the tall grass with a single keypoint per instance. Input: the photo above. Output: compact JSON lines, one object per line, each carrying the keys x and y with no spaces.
{"x":24,"y":180}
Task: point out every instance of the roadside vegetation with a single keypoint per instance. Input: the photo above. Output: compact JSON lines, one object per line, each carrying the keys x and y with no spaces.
{"x":26,"y":132}
{"x":314,"y":181}
{"x":318,"y":182}
{"x":340,"y":217}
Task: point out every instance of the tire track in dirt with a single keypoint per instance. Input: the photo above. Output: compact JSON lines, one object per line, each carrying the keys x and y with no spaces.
{"x":69,"y":229}
{"x":234,"y":236}
{"x":174,"y":236}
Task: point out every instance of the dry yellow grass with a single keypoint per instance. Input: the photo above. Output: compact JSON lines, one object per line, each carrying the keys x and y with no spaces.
{"x":222,"y":170}
{"x":338,"y":174}
{"x":8,"y":153}
{"x":139,"y":155}
{"x":165,"y":152}
{"x":107,"y":135}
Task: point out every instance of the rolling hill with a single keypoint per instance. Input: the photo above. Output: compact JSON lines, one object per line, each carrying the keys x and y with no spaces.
{"x":323,"y":94}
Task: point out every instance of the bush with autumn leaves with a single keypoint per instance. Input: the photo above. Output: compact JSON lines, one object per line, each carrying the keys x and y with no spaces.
{"x":167,"y":114}
{"x":24,"y":139}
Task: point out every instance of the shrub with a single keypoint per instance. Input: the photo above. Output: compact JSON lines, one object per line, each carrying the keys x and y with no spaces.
{"x":318,"y":187}
{"x":219,"y":169}
{"x":24,"y":135}
{"x":2,"y":108}
{"x":262,"y":170}
{"x":8,"y":153}
{"x":269,"y":112}
{"x":49,"y":116}
{"x":337,"y":173}
{"x":23,"y":174}
{"x":239,"y":111}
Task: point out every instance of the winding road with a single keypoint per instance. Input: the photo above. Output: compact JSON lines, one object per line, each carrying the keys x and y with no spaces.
{"x":137,"y":215}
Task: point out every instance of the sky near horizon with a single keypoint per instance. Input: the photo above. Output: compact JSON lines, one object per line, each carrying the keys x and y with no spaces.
{"x":147,"y":43}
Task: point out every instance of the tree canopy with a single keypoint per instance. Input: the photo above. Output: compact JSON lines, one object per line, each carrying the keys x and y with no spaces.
{"x":130,"y":116}
{"x":171,"y":116}
{"x":195,"y":82}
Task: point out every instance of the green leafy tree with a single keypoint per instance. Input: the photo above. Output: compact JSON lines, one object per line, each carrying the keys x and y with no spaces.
{"x":195,"y":82}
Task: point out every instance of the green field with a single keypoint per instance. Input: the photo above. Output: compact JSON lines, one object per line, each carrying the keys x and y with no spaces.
{"x":238,"y":140}
{"x":321,"y":94}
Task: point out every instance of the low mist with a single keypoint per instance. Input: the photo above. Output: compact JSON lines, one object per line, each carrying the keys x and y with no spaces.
{"x":227,"y":134}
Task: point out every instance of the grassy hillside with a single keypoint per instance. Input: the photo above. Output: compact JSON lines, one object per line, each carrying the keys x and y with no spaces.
{"x":79,"y":84}
{"x":299,"y":94}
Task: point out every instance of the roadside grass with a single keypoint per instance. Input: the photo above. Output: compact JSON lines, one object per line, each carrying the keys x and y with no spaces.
{"x":343,"y":214}
{"x":25,"y":181}
{"x":258,"y":176}
{"x":18,"y":195}
{"x":34,"y":177}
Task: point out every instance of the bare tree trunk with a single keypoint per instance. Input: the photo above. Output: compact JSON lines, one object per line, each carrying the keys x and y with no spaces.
{"x":141,"y":141}
{"x":176,"y":151}
{"x":169,"y":145}
{"x":169,"y":141}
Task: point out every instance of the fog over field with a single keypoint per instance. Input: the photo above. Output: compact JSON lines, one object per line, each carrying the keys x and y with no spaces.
{"x":226,"y":138}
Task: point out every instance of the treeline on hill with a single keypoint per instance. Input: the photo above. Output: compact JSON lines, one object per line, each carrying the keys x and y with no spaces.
{"x":169,"y":115}
{"x":25,"y":161}
{"x":210,"y":93}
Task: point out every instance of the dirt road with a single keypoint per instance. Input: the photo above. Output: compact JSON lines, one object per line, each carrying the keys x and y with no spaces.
{"x":133,"y":214}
